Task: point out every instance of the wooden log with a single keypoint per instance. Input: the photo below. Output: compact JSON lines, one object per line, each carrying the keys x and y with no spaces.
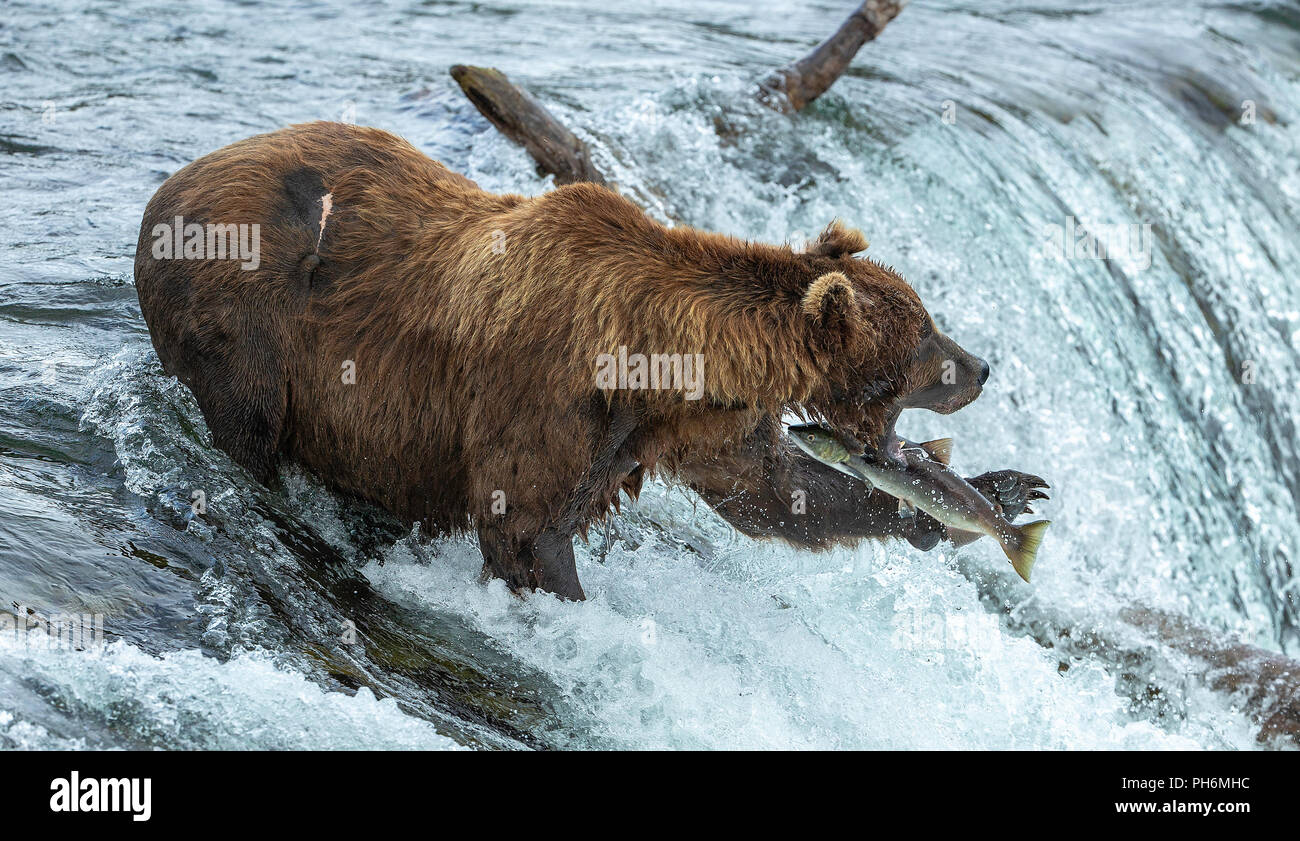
{"x":792,"y":87}
{"x":559,"y":152}
{"x":520,"y":117}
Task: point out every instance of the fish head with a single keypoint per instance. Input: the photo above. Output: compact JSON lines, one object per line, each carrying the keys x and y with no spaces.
{"x":819,"y":442}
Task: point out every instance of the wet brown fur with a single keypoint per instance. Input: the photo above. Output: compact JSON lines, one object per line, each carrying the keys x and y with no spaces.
{"x":475,"y":369}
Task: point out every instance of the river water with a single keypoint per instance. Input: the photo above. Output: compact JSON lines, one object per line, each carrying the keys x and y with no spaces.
{"x":1157,"y":390}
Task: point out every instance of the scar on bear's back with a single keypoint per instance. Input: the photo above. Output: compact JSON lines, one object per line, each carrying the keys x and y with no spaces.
{"x":309,"y":206}
{"x":303,"y":189}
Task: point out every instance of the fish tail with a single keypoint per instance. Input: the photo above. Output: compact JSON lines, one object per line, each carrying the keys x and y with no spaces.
{"x":1022,"y":547}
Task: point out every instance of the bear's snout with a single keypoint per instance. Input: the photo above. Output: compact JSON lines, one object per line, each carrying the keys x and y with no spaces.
{"x":943,"y":376}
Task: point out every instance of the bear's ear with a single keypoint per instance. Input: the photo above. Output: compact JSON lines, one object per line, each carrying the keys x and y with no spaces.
{"x":831,"y":306}
{"x":837,"y":240}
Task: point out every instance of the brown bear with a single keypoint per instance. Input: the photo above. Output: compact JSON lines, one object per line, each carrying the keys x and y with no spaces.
{"x":439,"y":350}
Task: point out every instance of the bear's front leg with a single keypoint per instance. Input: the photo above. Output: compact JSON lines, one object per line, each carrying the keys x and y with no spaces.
{"x":766,"y":488}
{"x":544,"y":562}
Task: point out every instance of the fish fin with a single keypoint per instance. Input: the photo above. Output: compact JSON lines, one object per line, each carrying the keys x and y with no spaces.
{"x":962,"y":538}
{"x":1029,"y":538}
{"x":939,"y":449}
{"x":906,"y":509}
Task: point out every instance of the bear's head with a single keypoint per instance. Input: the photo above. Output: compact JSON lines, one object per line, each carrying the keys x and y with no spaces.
{"x":877,"y":344}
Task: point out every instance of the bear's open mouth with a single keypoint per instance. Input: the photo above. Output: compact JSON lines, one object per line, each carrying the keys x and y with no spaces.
{"x":892,"y":447}
{"x":882,"y":442}
{"x":887,"y":448}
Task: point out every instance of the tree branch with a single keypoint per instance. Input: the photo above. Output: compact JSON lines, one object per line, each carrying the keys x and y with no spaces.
{"x":522,"y":118}
{"x":792,"y":87}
